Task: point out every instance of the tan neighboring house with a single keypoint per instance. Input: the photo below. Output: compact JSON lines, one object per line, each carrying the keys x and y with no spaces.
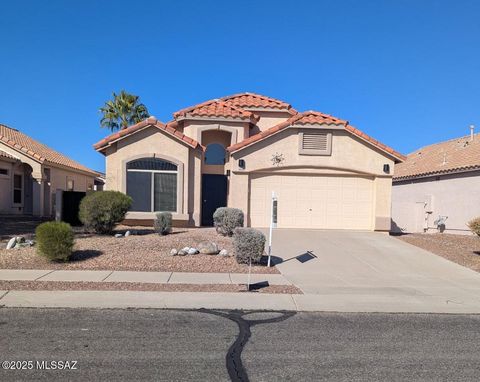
{"x":237,"y":150}
{"x":31,"y":173}
{"x":438,"y":187}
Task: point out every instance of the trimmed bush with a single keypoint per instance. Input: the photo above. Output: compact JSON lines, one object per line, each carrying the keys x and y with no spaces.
{"x":101,"y":210}
{"x":54,"y":240}
{"x":163,"y":223}
{"x":226,"y":219}
{"x":248,"y":244}
{"x":474,"y":225}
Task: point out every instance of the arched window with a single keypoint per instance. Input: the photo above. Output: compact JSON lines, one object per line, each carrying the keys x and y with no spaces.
{"x":215,"y":154}
{"x":152,"y":184}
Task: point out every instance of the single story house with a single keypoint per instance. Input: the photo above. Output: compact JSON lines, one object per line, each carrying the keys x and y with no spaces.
{"x":237,"y":150}
{"x":438,"y":187}
{"x":31,"y":173}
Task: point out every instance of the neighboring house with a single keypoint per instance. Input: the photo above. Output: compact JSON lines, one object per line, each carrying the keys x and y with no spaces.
{"x":237,"y":150}
{"x":30,"y":174}
{"x":438,"y":183}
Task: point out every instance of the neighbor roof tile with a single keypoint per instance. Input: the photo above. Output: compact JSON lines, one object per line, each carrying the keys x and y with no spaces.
{"x":459,"y":154}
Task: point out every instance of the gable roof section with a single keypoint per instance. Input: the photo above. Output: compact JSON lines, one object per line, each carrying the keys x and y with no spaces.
{"x":37,"y":151}
{"x":252,"y":100}
{"x":170,"y":128}
{"x":216,"y":108}
{"x":455,"y":155}
{"x":310,"y":118}
{"x":3,"y":154}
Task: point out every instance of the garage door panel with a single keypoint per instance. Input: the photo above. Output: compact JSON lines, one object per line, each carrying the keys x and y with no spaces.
{"x":324,"y":202}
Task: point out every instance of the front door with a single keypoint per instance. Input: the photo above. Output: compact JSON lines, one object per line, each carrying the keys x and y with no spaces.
{"x":214,"y":195}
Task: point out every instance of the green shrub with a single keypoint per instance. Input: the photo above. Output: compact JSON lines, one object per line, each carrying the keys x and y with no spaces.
{"x":226,"y":219}
{"x":248,"y":244}
{"x":54,"y":240}
{"x":163,"y":223}
{"x":101,"y":210}
{"x":474,"y":225}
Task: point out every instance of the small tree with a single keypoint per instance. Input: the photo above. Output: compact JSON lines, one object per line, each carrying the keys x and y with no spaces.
{"x":474,"y":226}
{"x":248,"y":244}
{"x":122,"y":111}
{"x":226,"y":219}
{"x":54,"y":240}
{"x":163,"y":223}
{"x":102,"y":210}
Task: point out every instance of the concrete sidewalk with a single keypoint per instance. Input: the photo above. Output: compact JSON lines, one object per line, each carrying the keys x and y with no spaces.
{"x":243,"y":301}
{"x":138,"y":277}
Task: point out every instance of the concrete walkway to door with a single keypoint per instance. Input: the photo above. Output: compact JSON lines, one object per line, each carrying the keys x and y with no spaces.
{"x":359,"y":271}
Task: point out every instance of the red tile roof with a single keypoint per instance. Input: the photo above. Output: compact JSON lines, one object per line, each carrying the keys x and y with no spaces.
{"x":455,"y":155}
{"x":252,"y":100}
{"x":170,"y":128}
{"x":314,"y":118}
{"x":216,"y":108}
{"x":36,"y":150}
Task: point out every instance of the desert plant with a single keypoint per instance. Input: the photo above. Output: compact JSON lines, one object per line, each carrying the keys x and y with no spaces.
{"x":122,"y":111}
{"x":248,"y":244}
{"x":101,"y":210}
{"x":163,"y":223}
{"x":226,"y":219}
{"x":54,"y":240}
{"x":474,"y":225}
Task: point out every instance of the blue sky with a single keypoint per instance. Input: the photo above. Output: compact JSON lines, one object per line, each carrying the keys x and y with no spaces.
{"x":405,"y":72}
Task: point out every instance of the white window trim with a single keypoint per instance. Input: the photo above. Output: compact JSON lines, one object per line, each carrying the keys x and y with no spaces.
{"x":152,"y":187}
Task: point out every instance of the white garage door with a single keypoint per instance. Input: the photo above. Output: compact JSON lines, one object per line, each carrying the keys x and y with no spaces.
{"x":309,"y":201}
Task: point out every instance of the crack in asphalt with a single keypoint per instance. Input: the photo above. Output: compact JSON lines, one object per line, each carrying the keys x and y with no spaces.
{"x":236,"y":369}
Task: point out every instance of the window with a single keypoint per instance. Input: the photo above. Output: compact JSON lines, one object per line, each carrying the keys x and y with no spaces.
{"x":70,"y":184}
{"x":315,"y":143}
{"x":152,"y":184}
{"x":3,"y":171}
{"x":17,"y":188}
{"x":215,"y":154}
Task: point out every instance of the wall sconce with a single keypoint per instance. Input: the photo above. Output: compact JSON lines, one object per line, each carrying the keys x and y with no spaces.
{"x":228,"y":172}
{"x":241,"y":164}
{"x":386,"y":168}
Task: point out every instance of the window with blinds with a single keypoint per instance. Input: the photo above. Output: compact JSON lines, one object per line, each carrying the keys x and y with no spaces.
{"x":315,"y":143}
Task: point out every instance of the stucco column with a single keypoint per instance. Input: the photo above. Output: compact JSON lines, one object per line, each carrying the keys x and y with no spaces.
{"x":239,"y":194}
{"x":383,"y":203}
{"x":195,"y":176}
{"x":37,"y":194}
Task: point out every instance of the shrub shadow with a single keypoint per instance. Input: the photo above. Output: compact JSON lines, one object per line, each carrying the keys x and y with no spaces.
{"x":82,"y":255}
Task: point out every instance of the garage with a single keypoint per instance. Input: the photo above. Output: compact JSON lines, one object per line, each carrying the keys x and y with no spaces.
{"x":313,"y":201}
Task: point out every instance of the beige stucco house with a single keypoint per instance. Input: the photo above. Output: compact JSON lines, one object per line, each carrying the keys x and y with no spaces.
{"x":32,"y":173}
{"x":436,"y":184}
{"x":237,"y":150}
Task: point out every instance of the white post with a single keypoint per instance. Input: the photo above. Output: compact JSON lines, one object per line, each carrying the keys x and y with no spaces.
{"x":249,"y":271}
{"x":273,"y":222}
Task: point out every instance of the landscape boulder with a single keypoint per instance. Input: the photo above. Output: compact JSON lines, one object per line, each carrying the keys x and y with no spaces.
{"x":192,"y":251}
{"x":223,"y":252}
{"x":208,"y":248}
{"x":173,"y":252}
{"x":11,"y":243}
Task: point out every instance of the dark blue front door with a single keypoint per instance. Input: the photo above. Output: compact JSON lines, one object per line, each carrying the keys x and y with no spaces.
{"x":214,"y":195}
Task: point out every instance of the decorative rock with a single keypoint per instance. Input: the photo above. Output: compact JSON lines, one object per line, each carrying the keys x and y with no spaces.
{"x":223,"y":252}
{"x":117,"y":235}
{"x":173,"y":252}
{"x":181,"y":253}
{"x":20,"y":239}
{"x":185,"y":249}
{"x":192,"y":251}
{"x":11,"y":243}
{"x":127,"y":234}
{"x":208,"y":248}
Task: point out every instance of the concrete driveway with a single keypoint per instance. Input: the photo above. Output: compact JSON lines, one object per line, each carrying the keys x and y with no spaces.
{"x":370,"y":268}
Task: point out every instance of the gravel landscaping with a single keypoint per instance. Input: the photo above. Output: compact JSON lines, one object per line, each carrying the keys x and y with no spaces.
{"x":120,"y":286}
{"x":142,"y":251}
{"x":461,"y":249}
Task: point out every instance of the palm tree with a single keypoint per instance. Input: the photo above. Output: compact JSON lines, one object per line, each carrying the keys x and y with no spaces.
{"x":122,"y":111}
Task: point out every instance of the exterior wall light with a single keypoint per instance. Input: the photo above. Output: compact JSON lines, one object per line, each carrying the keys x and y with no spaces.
{"x":241,"y":164}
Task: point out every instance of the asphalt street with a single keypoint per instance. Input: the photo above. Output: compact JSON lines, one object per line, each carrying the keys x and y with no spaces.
{"x":175,"y":345}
